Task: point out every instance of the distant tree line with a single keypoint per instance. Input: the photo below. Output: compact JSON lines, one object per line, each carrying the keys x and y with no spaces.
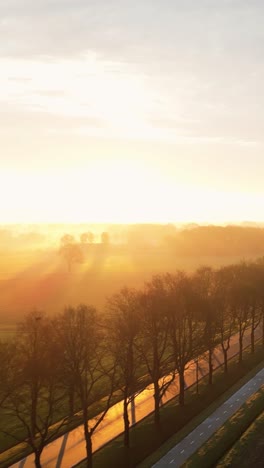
{"x":217,"y":241}
{"x":56,"y":366}
{"x":187,"y":240}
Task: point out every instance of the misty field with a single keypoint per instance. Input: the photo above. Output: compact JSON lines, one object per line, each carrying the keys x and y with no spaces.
{"x":6,"y":332}
{"x":35,"y":274}
{"x":41,"y":279}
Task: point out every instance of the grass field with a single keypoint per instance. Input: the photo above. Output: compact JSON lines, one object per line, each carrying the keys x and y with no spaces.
{"x":249,"y":449}
{"x":221,"y":441}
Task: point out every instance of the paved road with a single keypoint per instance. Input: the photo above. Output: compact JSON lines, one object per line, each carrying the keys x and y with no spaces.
{"x":184,"y":449}
{"x":69,"y":449}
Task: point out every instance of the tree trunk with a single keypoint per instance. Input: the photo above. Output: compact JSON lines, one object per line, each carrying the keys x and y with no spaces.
{"x":225,"y":360}
{"x":33,"y":416}
{"x":133,"y":410}
{"x":210,"y":359}
{"x":181,"y":381}
{"x":37,"y":459}
{"x":240,"y":348}
{"x":252,"y":337}
{"x":89,"y":452}
{"x":197,"y":377}
{"x":88,"y":440}
{"x":126,"y":423}
{"x":71,"y":399}
{"x":156,"y":407}
{"x":263,"y":326}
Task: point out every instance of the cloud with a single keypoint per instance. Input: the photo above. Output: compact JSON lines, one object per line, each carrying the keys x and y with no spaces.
{"x":189,"y":71}
{"x":138,"y":30}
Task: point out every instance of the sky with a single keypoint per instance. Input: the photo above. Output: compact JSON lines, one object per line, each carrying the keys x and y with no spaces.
{"x":131,"y":111}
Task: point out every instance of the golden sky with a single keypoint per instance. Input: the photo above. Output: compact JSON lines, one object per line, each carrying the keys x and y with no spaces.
{"x":120,"y":111}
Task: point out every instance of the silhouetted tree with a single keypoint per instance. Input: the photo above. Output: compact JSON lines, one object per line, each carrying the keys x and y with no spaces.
{"x":224,"y":310}
{"x":204,"y":280}
{"x":123,"y":323}
{"x":87,"y":238}
{"x":154,"y":340}
{"x":260,"y":288}
{"x":255,"y":296}
{"x":105,"y":238}
{"x":240,"y":297}
{"x":7,"y":370}
{"x":71,"y":251}
{"x":183,"y":324}
{"x":37,"y":393}
{"x":81,"y":338}
{"x":67,"y":239}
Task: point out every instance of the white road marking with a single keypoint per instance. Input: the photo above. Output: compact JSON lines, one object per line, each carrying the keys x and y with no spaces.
{"x":172,"y":461}
{"x":192,"y":442}
{"x":182,"y":451}
{"x":217,"y":419}
{"x":201,"y":434}
{"x":225,"y":412}
{"x":231,"y":406}
{"x":210,"y":425}
{"x":237,"y":399}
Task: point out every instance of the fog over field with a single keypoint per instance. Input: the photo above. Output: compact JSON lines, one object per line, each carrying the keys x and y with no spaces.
{"x":36,"y":273}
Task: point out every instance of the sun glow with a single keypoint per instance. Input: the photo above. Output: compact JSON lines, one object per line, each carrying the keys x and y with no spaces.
{"x":115,"y":193}
{"x":88,"y":87}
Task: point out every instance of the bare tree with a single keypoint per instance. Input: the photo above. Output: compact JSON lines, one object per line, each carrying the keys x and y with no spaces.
{"x":240,"y":297}
{"x":7,"y":370}
{"x":105,"y":238}
{"x":87,"y":238}
{"x":37,"y":394}
{"x":224,"y":309}
{"x":81,"y":338}
{"x":70,"y":250}
{"x":184,"y":326}
{"x":67,"y":239}
{"x":123,"y":324}
{"x":259,"y":283}
{"x":153,"y":343}
{"x":204,"y":280}
{"x":255,"y":300}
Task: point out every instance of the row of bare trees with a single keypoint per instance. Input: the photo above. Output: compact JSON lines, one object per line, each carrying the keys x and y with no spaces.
{"x":58,"y":366}
{"x":85,"y":238}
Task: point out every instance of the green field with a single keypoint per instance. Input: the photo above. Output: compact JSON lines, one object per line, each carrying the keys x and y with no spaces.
{"x":249,"y":449}
{"x":223,"y":439}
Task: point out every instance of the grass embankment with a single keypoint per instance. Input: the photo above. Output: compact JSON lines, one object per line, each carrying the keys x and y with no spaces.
{"x":146,"y":440}
{"x":249,"y":449}
{"x":221,"y":441}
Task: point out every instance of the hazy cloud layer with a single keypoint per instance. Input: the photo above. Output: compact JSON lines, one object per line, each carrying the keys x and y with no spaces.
{"x":177,"y":84}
